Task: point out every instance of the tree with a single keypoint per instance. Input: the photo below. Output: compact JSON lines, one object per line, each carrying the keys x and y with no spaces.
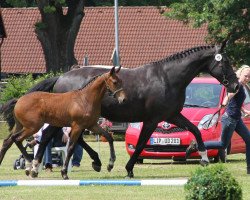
{"x":225,"y":19}
{"x":57,"y":32}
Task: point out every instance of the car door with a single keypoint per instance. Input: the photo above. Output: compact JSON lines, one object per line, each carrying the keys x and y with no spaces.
{"x":237,"y":144}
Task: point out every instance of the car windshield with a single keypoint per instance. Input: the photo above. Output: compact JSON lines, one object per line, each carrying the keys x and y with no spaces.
{"x":204,"y":95}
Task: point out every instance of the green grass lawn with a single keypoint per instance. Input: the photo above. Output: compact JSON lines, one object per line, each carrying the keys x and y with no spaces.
{"x":151,"y":169}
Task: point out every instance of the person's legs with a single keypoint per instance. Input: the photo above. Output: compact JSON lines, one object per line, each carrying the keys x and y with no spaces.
{"x":77,"y":155}
{"x":243,"y":131}
{"x":48,"y":156}
{"x":228,"y":127}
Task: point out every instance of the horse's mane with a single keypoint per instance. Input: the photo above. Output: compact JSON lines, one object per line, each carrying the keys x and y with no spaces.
{"x":183,"y":54}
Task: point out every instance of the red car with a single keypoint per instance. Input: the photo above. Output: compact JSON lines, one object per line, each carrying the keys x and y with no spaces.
{"x":203,"y":98}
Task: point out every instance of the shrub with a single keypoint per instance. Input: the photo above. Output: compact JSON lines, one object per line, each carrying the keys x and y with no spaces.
{"x":18,"y":86}
{"x":212,"y":183}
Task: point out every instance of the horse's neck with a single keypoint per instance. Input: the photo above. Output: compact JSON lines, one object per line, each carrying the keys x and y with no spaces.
{"x":184,"y":72}
{"x":97,"y":89}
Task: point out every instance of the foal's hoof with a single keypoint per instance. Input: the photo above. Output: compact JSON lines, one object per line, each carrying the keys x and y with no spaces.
{"x":27,"y":172}
{"x":34,"y":174}
{"x":204,"y":163}
{"x":64,"y":175}
{"x":110,"y":167}
{"x":96,"y":167}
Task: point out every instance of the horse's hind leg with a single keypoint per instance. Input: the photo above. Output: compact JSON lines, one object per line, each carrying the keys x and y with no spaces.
{"x":18,"y":138}
{"x":99,"y":130}
{"x":96,"y":164}
{"x":6,"y":145}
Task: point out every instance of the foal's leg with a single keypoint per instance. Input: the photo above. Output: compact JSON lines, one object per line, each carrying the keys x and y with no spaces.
{"x":182,"y":122}
{"x":6,"y":145}
{"x":74,"y":135}
{"x":18,"y":139}
{"x":46,"y":137}
{"x":96,"y":164}
{"x":99,"y":130}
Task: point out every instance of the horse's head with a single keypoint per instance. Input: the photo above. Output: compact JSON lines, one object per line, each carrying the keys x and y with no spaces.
{"x":221,"y":69}
{"x":114,"y":85}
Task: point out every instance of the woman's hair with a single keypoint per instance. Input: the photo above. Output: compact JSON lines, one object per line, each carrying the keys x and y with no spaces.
{"x":240,"y":70}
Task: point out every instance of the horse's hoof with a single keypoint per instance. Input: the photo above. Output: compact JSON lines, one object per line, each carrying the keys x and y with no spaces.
{"x":204,"y":163}
{"x":110,"y":167}
{"x":27,"y":172}
{"x":96,"y":167}
{"x":130,"y":175}
{"x":64,"y":175}
{"x":34,"y":174}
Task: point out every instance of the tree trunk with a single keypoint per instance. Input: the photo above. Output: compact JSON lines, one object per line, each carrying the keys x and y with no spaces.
{"x":57,"y":32}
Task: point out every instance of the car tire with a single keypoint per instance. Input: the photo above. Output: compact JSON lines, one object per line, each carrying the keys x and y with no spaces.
{"x":139,"y":161}
{"x":221,"y":156}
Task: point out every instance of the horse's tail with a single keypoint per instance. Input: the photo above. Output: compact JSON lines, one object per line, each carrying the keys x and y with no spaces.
{"x":8,"y":108}
{"x":45,"y":85}
{"x":8,"y":114}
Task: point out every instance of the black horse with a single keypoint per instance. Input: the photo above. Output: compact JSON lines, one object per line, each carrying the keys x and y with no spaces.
{"x":155,"y":92}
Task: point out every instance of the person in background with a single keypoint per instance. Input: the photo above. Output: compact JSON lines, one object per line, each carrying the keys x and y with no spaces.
{"x":59,"y":139}
{"x":231,"y":119}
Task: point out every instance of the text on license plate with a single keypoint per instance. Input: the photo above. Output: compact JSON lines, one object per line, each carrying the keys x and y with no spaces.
{"x":165,"y":141}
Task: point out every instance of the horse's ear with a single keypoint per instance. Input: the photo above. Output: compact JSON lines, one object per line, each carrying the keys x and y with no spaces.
{"x":112,"y":71}
{"x":223,"y":45}
{"x":118,"y":69}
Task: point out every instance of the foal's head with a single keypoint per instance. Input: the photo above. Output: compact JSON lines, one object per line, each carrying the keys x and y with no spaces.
{"x":114,"y":85}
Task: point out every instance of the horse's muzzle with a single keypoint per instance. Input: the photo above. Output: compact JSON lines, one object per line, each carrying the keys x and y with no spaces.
{"x":234,"y":88}
{"x":121,"y":96}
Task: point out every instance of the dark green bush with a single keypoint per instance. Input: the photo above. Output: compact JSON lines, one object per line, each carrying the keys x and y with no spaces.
{"x":213,"y":183}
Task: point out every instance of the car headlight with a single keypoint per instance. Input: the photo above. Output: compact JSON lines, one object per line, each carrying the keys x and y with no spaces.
{"x":135,"y":125}
{"x":208,"y":121}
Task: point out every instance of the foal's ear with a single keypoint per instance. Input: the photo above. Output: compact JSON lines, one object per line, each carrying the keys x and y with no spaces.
{"x":112,"y":71}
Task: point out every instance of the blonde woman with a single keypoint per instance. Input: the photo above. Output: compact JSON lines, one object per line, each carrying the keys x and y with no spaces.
{"x":231,"y":119}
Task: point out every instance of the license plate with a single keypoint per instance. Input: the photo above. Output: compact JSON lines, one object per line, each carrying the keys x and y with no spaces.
{"x":165,"y":141}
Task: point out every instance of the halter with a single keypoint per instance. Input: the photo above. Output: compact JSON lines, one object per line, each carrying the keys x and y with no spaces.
{"x":110,"y":92}
{"x":218,"y":58}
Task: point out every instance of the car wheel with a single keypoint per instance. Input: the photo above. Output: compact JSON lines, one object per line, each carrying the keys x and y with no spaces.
{"x":221,"y":156}
{"x":139,"y":161}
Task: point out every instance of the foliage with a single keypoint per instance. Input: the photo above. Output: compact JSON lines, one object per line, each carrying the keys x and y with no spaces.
{"x":213,"y":182}
{"x":224,"y":19}
{"x":18,"y":86}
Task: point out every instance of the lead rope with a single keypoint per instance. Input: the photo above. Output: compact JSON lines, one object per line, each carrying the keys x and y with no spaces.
{"x":218,"y":111}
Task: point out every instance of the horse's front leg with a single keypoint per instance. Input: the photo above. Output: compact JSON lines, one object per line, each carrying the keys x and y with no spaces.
{"x":46,"y":137}
{"x":99,"y":130}
{"x":146,"y":132}
{"x":96,"y":164}
{"x":74,"y":135}
{"x":182,"y":122}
